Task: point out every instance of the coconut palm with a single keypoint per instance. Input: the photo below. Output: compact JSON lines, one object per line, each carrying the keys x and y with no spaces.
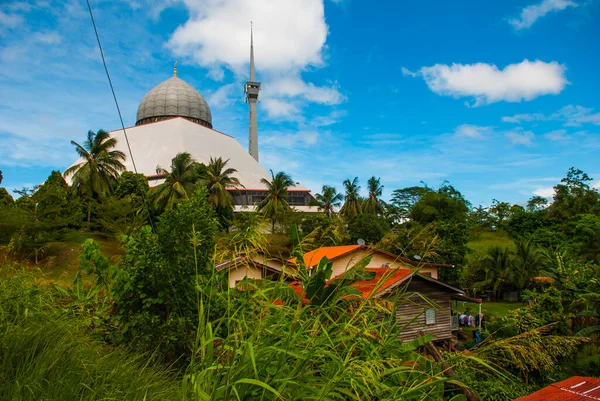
{"x":96,"y":174}
{"x":217,"y":178}
{"x":179,"y":183}
{"x":351,"y":206}
{"x":275,"y":204}
{"x":373,"y":203}
{"x":328,"y":200}
{"x":499,"y":270}
{"x":528,"y":262}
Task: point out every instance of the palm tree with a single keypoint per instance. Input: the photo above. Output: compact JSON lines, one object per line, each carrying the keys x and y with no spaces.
{"x":499,"y":270}
{"x":179,"y":182}
{"x":217,"y":178}
{"x":95,"y":176}
{"x":528,"y":261}
{"x":351,"y":206}
{"x":328,"y":200}
{"x":275,"y":204}
{"x":373,"y":204}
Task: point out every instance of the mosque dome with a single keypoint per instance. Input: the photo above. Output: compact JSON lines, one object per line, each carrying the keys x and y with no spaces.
{"x":173,"y":98}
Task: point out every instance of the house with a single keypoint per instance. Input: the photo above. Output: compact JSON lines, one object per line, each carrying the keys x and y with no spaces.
{"x":344,"y":257}
{"x":574,"y":389}
{"x":256,"y":266}
{"x":423,"y":303}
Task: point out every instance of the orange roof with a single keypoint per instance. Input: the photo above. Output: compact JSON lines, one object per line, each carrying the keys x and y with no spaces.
{"x":384,"y":279}
{"x":577,"y":388}
{"x":312,"y":258}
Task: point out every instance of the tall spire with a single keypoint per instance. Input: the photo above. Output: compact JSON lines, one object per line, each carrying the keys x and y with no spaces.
{"x":252,"y":88}
{"x":175,"y":68}
{"x":252,"y":77}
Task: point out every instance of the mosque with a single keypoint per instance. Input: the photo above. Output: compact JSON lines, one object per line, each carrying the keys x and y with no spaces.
{"x":174,"y":117}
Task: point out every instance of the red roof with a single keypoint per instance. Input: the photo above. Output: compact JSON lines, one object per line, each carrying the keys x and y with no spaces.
{"x":312,"y":258}
{"x":577,"y":388}
{"x":384,"y":279}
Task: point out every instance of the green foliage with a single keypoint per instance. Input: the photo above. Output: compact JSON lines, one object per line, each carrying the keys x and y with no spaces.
{"x":131,"y":184}
{"x":328,"y":200}
{"x":46,"y":355}
{"x":368,"y":227}
{"x":154,"y":290}
{"x":95,"y":176}
{"x":179,"y":183}
{"x":275,"y":205}
{"x":5,"y":198}
{"x":373,"y":204}
{"x":352,"y":205}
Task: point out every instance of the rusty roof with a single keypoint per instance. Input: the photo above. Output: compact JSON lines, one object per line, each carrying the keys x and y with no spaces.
{"x":577,"y":388}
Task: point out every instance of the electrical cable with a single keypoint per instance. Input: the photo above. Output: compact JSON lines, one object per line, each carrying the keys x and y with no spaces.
{"x":153,"y":227}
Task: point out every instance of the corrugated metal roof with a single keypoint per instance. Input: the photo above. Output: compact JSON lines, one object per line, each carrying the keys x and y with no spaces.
{"x":576,"y":388}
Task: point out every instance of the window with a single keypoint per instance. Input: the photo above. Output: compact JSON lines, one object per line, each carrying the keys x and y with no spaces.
{"x":430,"y":316}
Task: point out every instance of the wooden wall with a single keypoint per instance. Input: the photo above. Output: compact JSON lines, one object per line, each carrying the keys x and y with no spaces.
{"x":410,"y":309}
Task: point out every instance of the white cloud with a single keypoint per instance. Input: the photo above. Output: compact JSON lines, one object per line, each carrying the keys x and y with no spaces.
{"x":407,"y":72}
{"x":486,"y":83}
{"x":572,"y":116}
{"x":521,"y":138}
{"x":293,"y":86}
{"x":519,"y":118}
{"x":304,"y":138}
{"x":277,"y":108}
{"x":471,"y":131}
{"x":558,"y":135}
{"x":546,"y":192}
{"x":223,"y":96}
{"x":531,"y":13}
{"x":289,"y":37}
{"x":288,"y":34}
{"x":10,"y":20}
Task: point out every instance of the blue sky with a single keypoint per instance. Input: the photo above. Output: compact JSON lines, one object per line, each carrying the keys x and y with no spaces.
{"x":498,"y":98}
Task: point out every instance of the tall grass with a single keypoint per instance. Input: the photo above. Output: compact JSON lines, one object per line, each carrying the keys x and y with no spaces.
{"x":45,"y":356}
{"x":289,"y":351}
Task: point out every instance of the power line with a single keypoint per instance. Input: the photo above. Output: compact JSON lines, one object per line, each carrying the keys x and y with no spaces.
{"x":131,"y":156}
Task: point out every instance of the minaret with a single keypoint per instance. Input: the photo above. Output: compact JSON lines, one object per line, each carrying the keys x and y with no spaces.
{"x":252,"y":88}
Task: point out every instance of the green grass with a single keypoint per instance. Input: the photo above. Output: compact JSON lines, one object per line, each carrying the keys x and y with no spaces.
{"x":489,"y":239}
{"x":497,"y":309}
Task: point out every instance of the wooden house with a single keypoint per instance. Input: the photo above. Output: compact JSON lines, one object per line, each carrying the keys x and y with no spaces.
{"x":423,"y":303}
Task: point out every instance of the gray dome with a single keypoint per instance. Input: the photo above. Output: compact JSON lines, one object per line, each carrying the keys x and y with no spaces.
{"x":173,"y":98}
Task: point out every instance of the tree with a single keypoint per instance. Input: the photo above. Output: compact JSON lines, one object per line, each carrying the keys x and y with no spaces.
{"x":95,"y":176}
{"x":1,"y":177}
{"x":275,"y":204}
{"x":528,"y":262}
{"x":179,"y":183}
{"x":404,"y":199}
{"x":367,"y":227}
{"x":373,"y":204}
{"x":537,"y":203}
{"x":500,"y":270}
{"x":351,"y":207}
{"x":574,"y":196}
{"x":5,"y":198}
{"x":218,"y":179}
{"x":131,"y":184}
{"x":328,"y":200}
